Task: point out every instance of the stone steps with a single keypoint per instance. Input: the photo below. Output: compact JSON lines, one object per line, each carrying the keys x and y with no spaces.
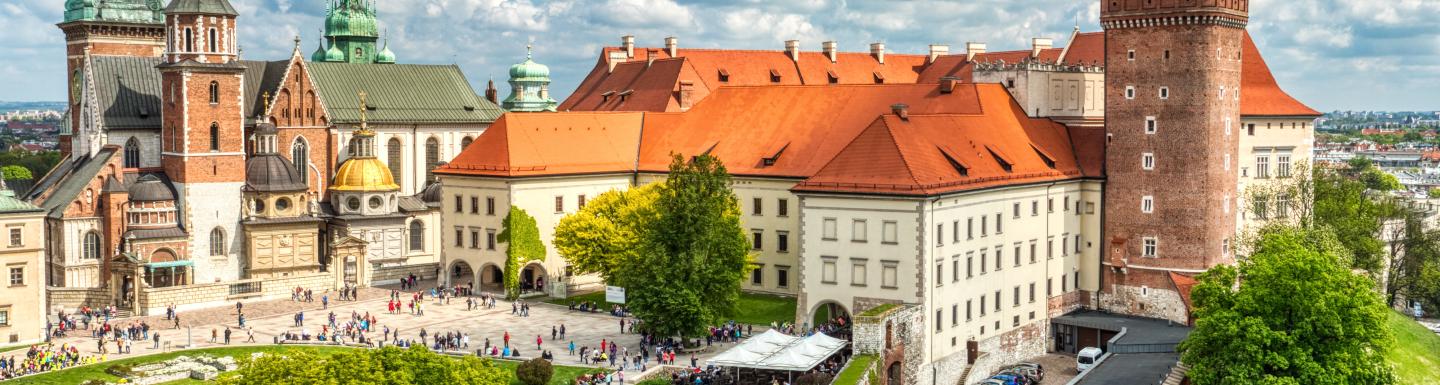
{"x":1177,"y":374}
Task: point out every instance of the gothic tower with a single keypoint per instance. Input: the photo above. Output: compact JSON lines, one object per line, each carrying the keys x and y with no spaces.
{"x":202,"y":125}
{"x":1171,"y":106}
{"x":106,"y":28}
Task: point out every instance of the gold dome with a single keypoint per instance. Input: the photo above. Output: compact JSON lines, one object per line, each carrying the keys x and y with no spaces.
{"x":364,"y":174}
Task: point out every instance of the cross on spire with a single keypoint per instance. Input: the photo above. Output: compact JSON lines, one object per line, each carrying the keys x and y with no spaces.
{"x":528,"y":48}
{"x":362,"y":111}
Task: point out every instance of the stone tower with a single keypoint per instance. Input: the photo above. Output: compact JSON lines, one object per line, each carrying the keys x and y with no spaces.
{"x":1172,"y":106}
{"x":202,"y":129}
{"x":106,"y":28}
{"x":351,"y":29}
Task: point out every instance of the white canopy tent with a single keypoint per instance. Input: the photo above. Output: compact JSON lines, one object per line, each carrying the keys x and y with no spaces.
{"x":773,"y":350}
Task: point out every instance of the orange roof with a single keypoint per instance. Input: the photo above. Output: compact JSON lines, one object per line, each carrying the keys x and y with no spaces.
{"x":929,"y":154}
{"x":1086,"y":48}
{"x":1184,"y":284}
{"x":530,"y":144}
{"x":805,"y":125}
{"x":1260,"y":95}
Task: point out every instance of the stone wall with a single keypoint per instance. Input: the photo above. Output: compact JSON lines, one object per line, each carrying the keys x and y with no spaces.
{"x":70,"y":298}
{"x":392,"y":274}
{"x":1148,"y":302}
{"x":200,"y":296}
{"x":1020,"y":344}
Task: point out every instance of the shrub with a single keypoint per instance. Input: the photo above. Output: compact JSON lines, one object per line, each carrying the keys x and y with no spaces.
{"x":813,"y":379}
{"x":536,"y":371}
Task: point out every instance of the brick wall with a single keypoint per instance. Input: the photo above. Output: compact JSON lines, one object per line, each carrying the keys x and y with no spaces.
{"x":193,"y":116}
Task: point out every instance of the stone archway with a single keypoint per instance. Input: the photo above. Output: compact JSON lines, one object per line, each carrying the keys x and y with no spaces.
{"x":492,"y":278}
{"x":893,"y":375}
{"x":460,"y":274}
{"x":826,"y":312}
{"x":533,"y":278}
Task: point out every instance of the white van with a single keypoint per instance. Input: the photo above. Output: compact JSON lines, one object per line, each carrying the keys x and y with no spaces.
{"x":1087,"y":357}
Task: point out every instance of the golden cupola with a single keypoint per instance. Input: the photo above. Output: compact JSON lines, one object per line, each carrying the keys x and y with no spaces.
{"x":363,"y":172}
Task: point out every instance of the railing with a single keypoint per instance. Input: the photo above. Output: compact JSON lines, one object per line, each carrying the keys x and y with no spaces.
{"x":243,"y":288}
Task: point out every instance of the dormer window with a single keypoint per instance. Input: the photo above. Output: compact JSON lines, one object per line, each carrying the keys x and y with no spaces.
{"x":724,"y":76}
{"x":960,"y":167}
{"x":774,"y":76}
{"x":879,"y":78}
{"x":834,"y":78}
{"x":1000,"y":158}
{"x":605,"y":97}
{"x":1049,"y":160}
{"x":774,"y":155}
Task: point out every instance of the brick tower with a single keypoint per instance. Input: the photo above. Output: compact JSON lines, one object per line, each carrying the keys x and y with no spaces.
{"x":1172,"y":103}
{"x":202,"y":125}
{"x":106,"y":28}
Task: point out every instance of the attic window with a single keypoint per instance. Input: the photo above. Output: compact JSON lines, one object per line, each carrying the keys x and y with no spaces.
{"x":469,"y":108}
{"x":369,"y":107}
{"x":1001,"y":159}
{"x":724,"y":76}
{"x":879,"y":78}
{"x":1049,"y":160}
{"x":834,"y":77}
{"x":960,"y":167}
{"x":605,"y":97}
{"x":144,"y":114}
{"x":626,"y":94}
{"x":774,"y":155}
{"x":774,"y":76}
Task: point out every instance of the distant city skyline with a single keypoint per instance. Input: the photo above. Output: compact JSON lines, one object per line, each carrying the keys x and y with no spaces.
{"x":1330,"y":54}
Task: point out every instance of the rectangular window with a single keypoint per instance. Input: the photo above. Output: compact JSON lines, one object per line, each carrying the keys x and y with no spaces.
{"x":998,"y":227}
{"x":757,"y":206}
{"x":1147,"y":204}
{"x":580,"y":202}
{"x":1282,"y":166}
{"x":827,"y":229}
{"x":940,"y":234}
{"x":827,"y":270}
{"x":559,"y":204}
{"x":1130,"y":92}
{"x":1164,"y":92}
{"x":984,"y":257}
{"x":1050,"y":248}
{"x":939,"y":274}
{"x":954,"y":314}
{"x":939,"y":319}
{"x":969,"y":265}
{"x":1050,"y":205}
{"x":1015,"y":298}
{"x":1017,"y":209}
{"x":1077,"y":243}
{"x":984,"y":225}
{"x":490,"y":239}
{"x":1262,"y":166}
{"x":1032,"y":292}
{"x":888,"y":231}
{"x":857,"y":231}
{"x":1017,"y":255}
{"x":1228,"y":123}
{"x":889,"y":275}
{"x":489,"y":205}
{"x":982,"y":305}
{"x":857,"y":272}
{"x":782,"y":207}
{"x":998,"y":257}
{"x":1048,"y":291}
{"x":17,"y":238}
{"x":1150,"y":125}
{"x":4,"y":318}
{"x":1034,"y":208}
{"x":955,"y":268}
{"x":969,"y":228}
{"x":474,"y":205}
{"x":782,"y":241}
{"x":1064,"y":283}
{"x":968,"y":311}
{"x":1147,"y":161}
{"x":782,"y":277}
{"x":474,"y":238}
{"x":459,"y":237}
{"x":757,"y":276}
{"x":955,"y":231}
{"x":1032,"y":251}
{"x":17,"y":276}
{"x":757,"y":239}
{"x":1064,"y":244}
{"x":997,"y":301}
{"x":1149,"y":247}
{"x":459,"y":204}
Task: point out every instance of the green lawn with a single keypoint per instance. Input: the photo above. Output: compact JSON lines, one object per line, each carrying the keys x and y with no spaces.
{"x":757,"y":309}
{"x":852,"y":373}
{"x":1416,"y":355}
{"x":564,"y":375}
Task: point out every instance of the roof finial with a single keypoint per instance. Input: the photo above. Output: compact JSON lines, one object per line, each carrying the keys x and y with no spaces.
{"x":297,"y":44}
{"x":265,"y":99}
{"x":363,"y":127}
{"x":528,"y":48}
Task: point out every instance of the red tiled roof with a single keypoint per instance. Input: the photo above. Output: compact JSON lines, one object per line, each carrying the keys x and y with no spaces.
{"x":1086,"y":48}
{"x":744,"y":125}
{"x":1260,"y":95}
{"x":930,"y":154}
{"x":1184,"y":284}
{"x":530,"y":144}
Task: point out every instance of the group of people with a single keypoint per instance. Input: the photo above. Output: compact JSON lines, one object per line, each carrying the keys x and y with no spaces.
{"x":591,"y":307}
{"x":43,"y":358}
{"x":601,"y":378}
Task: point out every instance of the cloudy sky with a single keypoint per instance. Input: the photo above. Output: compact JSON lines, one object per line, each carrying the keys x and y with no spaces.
{"x":1332,"y":54}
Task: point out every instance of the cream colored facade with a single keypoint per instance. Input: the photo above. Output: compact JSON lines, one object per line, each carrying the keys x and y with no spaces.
{"x":1068,"y":94}
{"x":411,"y":142}
{"x":1272,"y":149}
{"x":22,"y":297}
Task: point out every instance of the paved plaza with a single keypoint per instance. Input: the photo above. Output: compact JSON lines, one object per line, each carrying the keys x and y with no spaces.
{"x":275,"y":317}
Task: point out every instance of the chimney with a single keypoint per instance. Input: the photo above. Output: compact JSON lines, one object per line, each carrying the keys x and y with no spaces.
{"x":792,"y":48}
{"x":938,"y":50}
{"x":616,"y":57}
{"x":650,"y":56}
{"x":491,"y":93}
{"x":687,"y":88}
{"x":973,"y":48}
{"x":627,"y":42}
{"x":878,"y":51}
{"x":672,"y":46}
{"x":902,"y":110}
{"x":1040,"y":44}
{"x":829,"y":49}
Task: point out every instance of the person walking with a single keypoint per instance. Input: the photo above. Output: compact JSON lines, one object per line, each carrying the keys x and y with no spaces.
{"x":157,"y":340}
{"x":251,"y":332}
{"x":572,"y":348}
{"x":537,"y":342}
{"x":227,"y":335}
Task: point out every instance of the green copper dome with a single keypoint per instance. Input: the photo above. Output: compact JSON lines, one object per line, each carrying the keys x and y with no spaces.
{"x":529,"y":87}
{"x":529,"y":69}
{"x":351,"y":18}
{"x":128,"y":11}
{"x":319,"y":54}
{"x":334,"y":54}
{"x":385,"y":56}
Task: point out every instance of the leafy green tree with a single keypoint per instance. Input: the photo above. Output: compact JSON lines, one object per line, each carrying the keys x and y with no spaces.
{"x":385,"y":366}
{"x":1414,"y":260}
{"x":16,"y":172}
{"x":1291,"y":313}
{"x":522,"y":238}
{"x":693,"y":258}
{"x":38,"y":163}
{"x":1379,"y":180}
{"x":1344,"y":207}
{"x":536,"y":371}
{"x":605,"y":234}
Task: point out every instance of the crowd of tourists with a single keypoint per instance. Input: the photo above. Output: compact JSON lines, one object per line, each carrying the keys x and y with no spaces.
{"x":45,"y":357}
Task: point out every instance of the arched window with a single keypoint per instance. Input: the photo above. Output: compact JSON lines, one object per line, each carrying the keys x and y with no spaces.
{"x":395,"y":155}
{"x":213,"y":42}
{"x":432,"y":158}
{"x":132,"y":153}
{"x":217,"y":242}
{"x":189,"y":41}
{"x":464,"y":143}
{"x":417,"y":236}
{"x":300,"y":156}
{"x":214,"y":92}
{"x":214,"y":136}
{"x":91,"y":248}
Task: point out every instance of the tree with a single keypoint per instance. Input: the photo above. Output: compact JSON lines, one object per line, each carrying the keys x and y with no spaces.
{"x":605,"y":234}
{"x":1414,"y":261}
{"x":1344,"y":207}
{"x":1378,"y":180}
{"x":385,"y":366}
{"x":16,"y":172}
{"x":522,"y":238}
{"x":536,"y":371}
{"x":1292,"y":313}
{"x":677,"y":247}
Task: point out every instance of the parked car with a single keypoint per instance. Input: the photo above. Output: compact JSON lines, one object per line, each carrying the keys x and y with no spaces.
{"x":1087,"y":357}
{"x":1037,"y":368}
{"x":1028,"y":373}
{"x":1011,"y":379}
{"x":990,"y":381}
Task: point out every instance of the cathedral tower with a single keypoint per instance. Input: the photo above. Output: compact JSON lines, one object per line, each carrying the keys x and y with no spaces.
{"x":352,"y":30}
{"x":529,"y":87}
{"x":1172,"y":103}
{"x":106,"y":28}
{"x":202,"y":125}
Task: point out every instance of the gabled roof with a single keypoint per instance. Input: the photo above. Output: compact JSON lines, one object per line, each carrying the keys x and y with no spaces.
{"x":128,"y":89}
{"x":918,"y":155}
{"x":1260,"y":95}
{"x":400,"y":93}
{"x":534,"y":144}
{"x":75,"y":181}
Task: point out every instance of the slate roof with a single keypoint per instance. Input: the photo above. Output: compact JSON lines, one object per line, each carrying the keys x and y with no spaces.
{"x":413,"y":204}
{"x":70,"y":186}
{"x":169,"y":232}
{"x":128,"y":89}
{"x":209,"y":7}
{"x":400,"y":93}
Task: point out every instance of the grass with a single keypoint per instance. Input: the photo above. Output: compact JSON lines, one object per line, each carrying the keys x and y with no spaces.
{"x":852,"y":373}
{"x":1416,"y":353}
{"x":564,"y":375}
{"x":755,"y":309}
{"x":878,"y":310}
